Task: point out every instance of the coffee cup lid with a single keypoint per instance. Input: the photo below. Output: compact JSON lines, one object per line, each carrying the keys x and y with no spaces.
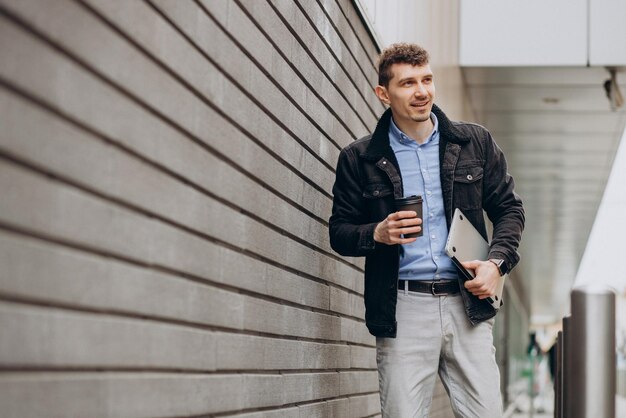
{"x":409,"y":200}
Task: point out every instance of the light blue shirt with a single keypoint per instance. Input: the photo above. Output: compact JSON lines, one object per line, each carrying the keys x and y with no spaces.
{"x":424,"y":259}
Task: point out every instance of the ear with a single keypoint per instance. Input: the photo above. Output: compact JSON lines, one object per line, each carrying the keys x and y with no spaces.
{"x":382,"y":94}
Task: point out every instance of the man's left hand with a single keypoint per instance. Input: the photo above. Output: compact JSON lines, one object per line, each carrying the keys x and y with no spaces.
{"x":485,"y":283}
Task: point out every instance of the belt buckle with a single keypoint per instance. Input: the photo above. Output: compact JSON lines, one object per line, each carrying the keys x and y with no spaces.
{"x":432,"y":290}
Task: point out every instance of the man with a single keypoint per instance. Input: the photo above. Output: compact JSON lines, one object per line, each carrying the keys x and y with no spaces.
{"x":425,"y":318}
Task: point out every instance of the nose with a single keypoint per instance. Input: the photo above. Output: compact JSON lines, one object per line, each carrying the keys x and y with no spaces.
{"x":420,"y":90}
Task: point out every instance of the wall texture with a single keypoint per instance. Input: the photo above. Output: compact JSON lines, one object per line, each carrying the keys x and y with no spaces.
{"x":165,"y":175}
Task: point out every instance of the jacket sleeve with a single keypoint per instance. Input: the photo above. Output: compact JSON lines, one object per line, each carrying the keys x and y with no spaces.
{"x":503,"y":206}
{"x":351,"y":234}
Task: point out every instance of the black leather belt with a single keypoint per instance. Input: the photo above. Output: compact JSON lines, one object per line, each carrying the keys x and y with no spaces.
{"x":435,"y":288}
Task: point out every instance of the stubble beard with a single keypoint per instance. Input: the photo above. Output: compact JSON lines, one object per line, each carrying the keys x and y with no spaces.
{"x":421,"y":117}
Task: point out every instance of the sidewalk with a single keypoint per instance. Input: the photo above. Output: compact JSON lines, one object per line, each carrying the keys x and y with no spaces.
{"x":544,"y":407}
{"x":620,"y":409}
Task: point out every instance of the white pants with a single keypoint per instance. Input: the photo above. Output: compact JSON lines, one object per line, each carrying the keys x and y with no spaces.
{"x":434,"y":335}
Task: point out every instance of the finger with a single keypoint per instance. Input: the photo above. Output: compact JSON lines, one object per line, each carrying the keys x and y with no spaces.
{"x":482,"y":293}
{"x":396,"y":232}
{"x":407,"y":222}
{"x":402,"y":214}
{"x":471,"y":264}
{"x":412,"y":230}
{"x":400,"y":240}
{"x":471,"y":285}
{"x":398,"y":229}
{"x":405,"y":231}
{"x":474,"y":285}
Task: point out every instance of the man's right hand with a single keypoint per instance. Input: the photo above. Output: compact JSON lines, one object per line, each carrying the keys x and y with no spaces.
{"x":389,"y":231}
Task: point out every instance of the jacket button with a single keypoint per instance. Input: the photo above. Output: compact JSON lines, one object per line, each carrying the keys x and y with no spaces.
{"x":469,"y":177}
{"x":376,"y":192}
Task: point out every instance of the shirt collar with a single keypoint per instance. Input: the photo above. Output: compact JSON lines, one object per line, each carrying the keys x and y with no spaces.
{"x":406,"y":140}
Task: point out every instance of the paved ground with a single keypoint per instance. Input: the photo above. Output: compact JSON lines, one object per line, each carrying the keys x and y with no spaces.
{"x":544,"y":407}
{"x":522,"y":409}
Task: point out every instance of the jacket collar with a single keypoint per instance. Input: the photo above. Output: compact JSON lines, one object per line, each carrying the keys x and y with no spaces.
{"x":379,"y":144}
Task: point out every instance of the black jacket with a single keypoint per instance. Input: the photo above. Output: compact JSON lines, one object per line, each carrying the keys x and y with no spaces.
{"x":474,"y":178}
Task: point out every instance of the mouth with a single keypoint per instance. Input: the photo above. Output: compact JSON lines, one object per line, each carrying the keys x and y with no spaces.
{"x":420,"y":104}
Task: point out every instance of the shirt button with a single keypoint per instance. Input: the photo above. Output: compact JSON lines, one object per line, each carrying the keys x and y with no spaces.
{"x":428,"y":192}
{"x":433,"y":236}
{"x":436,"y":257}
{"x":384,"y":162}
{"x":469,"y":177}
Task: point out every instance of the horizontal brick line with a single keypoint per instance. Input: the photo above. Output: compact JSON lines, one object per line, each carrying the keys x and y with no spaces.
{"x":285,"y":406}
{"x":112,"y":374}
{"x":164,"y":66}
{"x":303,"y":78}
{"x":171,"y":173}
{"x":341,"y":65}
{"x":304,"y":46}
{"x":30,"y":369}
{"x":176,"y":273}
{"x":121,"y":313}
{"x":358,"y":38}
{"x":111,"y":83}
{"x":340,"y":35}
{"x":275,"y":82}
{"x":71,"y":183}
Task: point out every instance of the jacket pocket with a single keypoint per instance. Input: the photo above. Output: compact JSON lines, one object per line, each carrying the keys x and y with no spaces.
{"x":377,"y":190}
{"x":468,"y":187}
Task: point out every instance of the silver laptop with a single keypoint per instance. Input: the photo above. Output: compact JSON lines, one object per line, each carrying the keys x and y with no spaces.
{"x":466,"y":244}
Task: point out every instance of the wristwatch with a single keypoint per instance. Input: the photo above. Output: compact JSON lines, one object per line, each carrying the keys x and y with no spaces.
{"x":500,"y":264}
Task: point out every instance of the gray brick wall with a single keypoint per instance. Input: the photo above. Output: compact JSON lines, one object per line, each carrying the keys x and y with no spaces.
{"x":165,"y":174}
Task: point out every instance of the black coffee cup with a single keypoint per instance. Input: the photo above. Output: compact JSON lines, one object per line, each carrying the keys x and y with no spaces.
{"x":413,"y":203}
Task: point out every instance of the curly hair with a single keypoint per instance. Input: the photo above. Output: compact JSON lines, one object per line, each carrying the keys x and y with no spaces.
{"x":399,"y":53}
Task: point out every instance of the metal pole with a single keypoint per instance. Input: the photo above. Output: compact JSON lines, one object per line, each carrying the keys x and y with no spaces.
{"x":531,"y":356}
{"x":591,"y":354}
{"x":567,"y":368}
{"x":558,"y":377}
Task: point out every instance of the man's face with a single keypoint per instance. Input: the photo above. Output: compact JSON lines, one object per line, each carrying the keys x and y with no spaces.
{"x":410,"y":93}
